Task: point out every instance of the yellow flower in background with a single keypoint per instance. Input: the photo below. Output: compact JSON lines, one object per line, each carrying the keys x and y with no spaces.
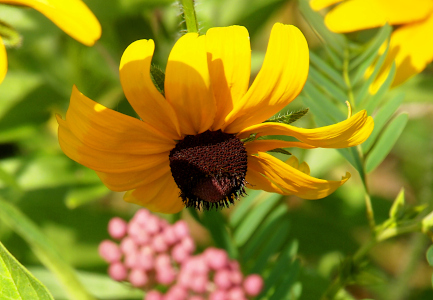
{"x":190,"y":146}
{"x":411,"y":45}
{"x":72,"y":16}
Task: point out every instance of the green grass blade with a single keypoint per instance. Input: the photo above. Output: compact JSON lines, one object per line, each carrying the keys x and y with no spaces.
{"x":381,"y":118}
{"x":17,"y":282}
{"x":385,"y":142}
{"x":285,"y":287}
{"x":243,"y":207}
{"x":43,"y":249}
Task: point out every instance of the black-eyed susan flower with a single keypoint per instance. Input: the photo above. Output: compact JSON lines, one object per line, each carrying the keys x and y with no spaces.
{"x":411,"y":47}
{"x":190,"y":146}
{"x":72,"y":16}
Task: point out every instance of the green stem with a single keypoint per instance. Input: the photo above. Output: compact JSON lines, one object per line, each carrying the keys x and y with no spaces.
{"x":189,"y":15}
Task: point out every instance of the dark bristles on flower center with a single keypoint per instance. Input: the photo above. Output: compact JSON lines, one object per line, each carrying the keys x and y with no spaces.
{"x":209,"y":168}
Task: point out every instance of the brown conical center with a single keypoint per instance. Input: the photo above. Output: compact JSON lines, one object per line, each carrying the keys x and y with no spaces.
{"x":209,"y":168}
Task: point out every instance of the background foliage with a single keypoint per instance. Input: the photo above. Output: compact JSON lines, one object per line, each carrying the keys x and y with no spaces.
{"x":54,"y":212}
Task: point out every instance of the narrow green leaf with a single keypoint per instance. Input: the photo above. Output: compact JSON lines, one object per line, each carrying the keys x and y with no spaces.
{"x":253,"y":219}
{"x":381,"y":118}
{"x":10,"y":37}
{"x":280,"y":150}
{"x":324,"y":84}
{"x":273,"y":244}
{"x":265,"y":230}
{"x":158,"y":78}
{"x":215,"y":223}
{"x":81,"y":195}
{"x":16,"y":282}
{"x":43,"y":249}
{"x":289,"y":117}
{"x":398,"y":206}
{"x":386,"y":142}
{"x":429,"y":255}
{"x":327,"y":70}
{"x":284,"y":288}
{"x":243,"y":207}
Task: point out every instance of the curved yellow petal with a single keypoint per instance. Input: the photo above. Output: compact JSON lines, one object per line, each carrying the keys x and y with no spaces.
{"x":266,"y":145}
{"x":229,"y":61}
{"x":140,"y":91}
{"x":121,"y":182}
{"x":290,"y":180}
{"x":348,"y":133}
{"x":320,"y":4}
{"x":257,"y":181}
{"x":187,"y":84}
{"x":355,"y":15}
{"x":280,"y":80}
{"x":72,"y":16}
{"x":3,"y":61}
{"x":108,"y":159}
{"x":410,"y":50}
{"x":108,"y":130}
{"x":161,"y":196}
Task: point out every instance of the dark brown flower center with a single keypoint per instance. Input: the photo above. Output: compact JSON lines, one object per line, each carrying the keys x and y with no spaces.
{"x":209,"y":168}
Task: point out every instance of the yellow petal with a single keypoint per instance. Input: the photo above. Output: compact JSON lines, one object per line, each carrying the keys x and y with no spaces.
{"x":355,"y":15}
{"x":410,"y":50}
{"x":291,"y":180}
{"x":159,"y":196}
{"x":187,"y":84}
{"x":140,"y":91}
{"x":108,"y":159}
{"x":229,"y":60}
{"x":3,"y":61}
{"x":72,"y":16}
{"x":257,"y":181}
{"x":267,"y":145}
{"x":108,"y":130}
{"x":125,"y":181}
{"x":348,"y":133}
{"x":280,"y":80}
{"x":320,"y":4}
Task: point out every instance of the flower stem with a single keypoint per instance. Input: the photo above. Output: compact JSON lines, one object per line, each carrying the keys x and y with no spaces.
{"x":189,"y":15}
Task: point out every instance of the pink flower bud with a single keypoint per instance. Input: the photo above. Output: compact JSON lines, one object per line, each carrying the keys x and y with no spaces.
{"x":197,"y":265}
{"x":236,"y":277}
{"x":216,"y":259}
{"x":179,"y":254}
{"x":222,"y":279}
{"x":184,"y":278}
{"x":199,"y":284}
{"x":169,"y":236}
{"x":165,"y":275}
{"x":117,"y":228}
{"x":181,"y":229}
{"x":141,"y":216}
{"x":158,"y":243}
{"x":188,"y":244}
{"x":153,"y":295}
{"x":218,"y":295}
{"x":138,"y":278}
{"x":177,"y":292}
{"x":196,"y":297}
{"x":234,"y":265}
{"x":132,"y":260}
{"x":118,"y":271}
{"x":162,"y":261}
{"x":109,"y":251}
{"x":145,"y":261}
{"x":152,"y":225}
{"x":138,"y":233}
{"x":128,"y":245}
{"x":253,"y":285}
{"x":236,"y":293}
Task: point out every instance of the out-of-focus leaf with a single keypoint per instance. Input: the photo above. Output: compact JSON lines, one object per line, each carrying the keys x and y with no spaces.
{"x":17,"y":283}
{"x":215,"y":223}
{"x":429,"y":255}
{"x":243,"y":207}
{"x":321,"y":65}
{"x":398,"y":207}
{"x":43,"y":249}
{"x":101,"y":286}
{"x":328,"y":87}
{"x":381,"y":118}
{"x":385,"y":142}
{"x":253,"y":219}
{"x":81,"y":195}
{"x":284,"y":289}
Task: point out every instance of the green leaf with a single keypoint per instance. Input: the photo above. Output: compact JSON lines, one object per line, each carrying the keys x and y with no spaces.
{"x":398,"y":207}
{"x":289,"y":117}
{"x":327,"y":86}
{"x":280,"y":150}
{"x":327,"y":70}
{"x":43,"y":249}
{"x":381,"y":118}
{"x":84,"y":194}
{"x":429,"y":255}
{"x":158,"y":78}
{"x":263,"y":205}
{"x":284,"y":288}
{"x":17,"y":282}
{"x":385,"y":143}
{"x":10,"y":37}
{"x":243,"y":207}
{"x":216,"y":224}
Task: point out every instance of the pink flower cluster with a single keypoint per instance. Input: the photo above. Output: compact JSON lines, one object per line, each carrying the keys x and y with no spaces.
{"x":152,"y":253}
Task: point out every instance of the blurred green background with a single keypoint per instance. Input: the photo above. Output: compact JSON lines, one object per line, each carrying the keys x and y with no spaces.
{"x":72,"y":208}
